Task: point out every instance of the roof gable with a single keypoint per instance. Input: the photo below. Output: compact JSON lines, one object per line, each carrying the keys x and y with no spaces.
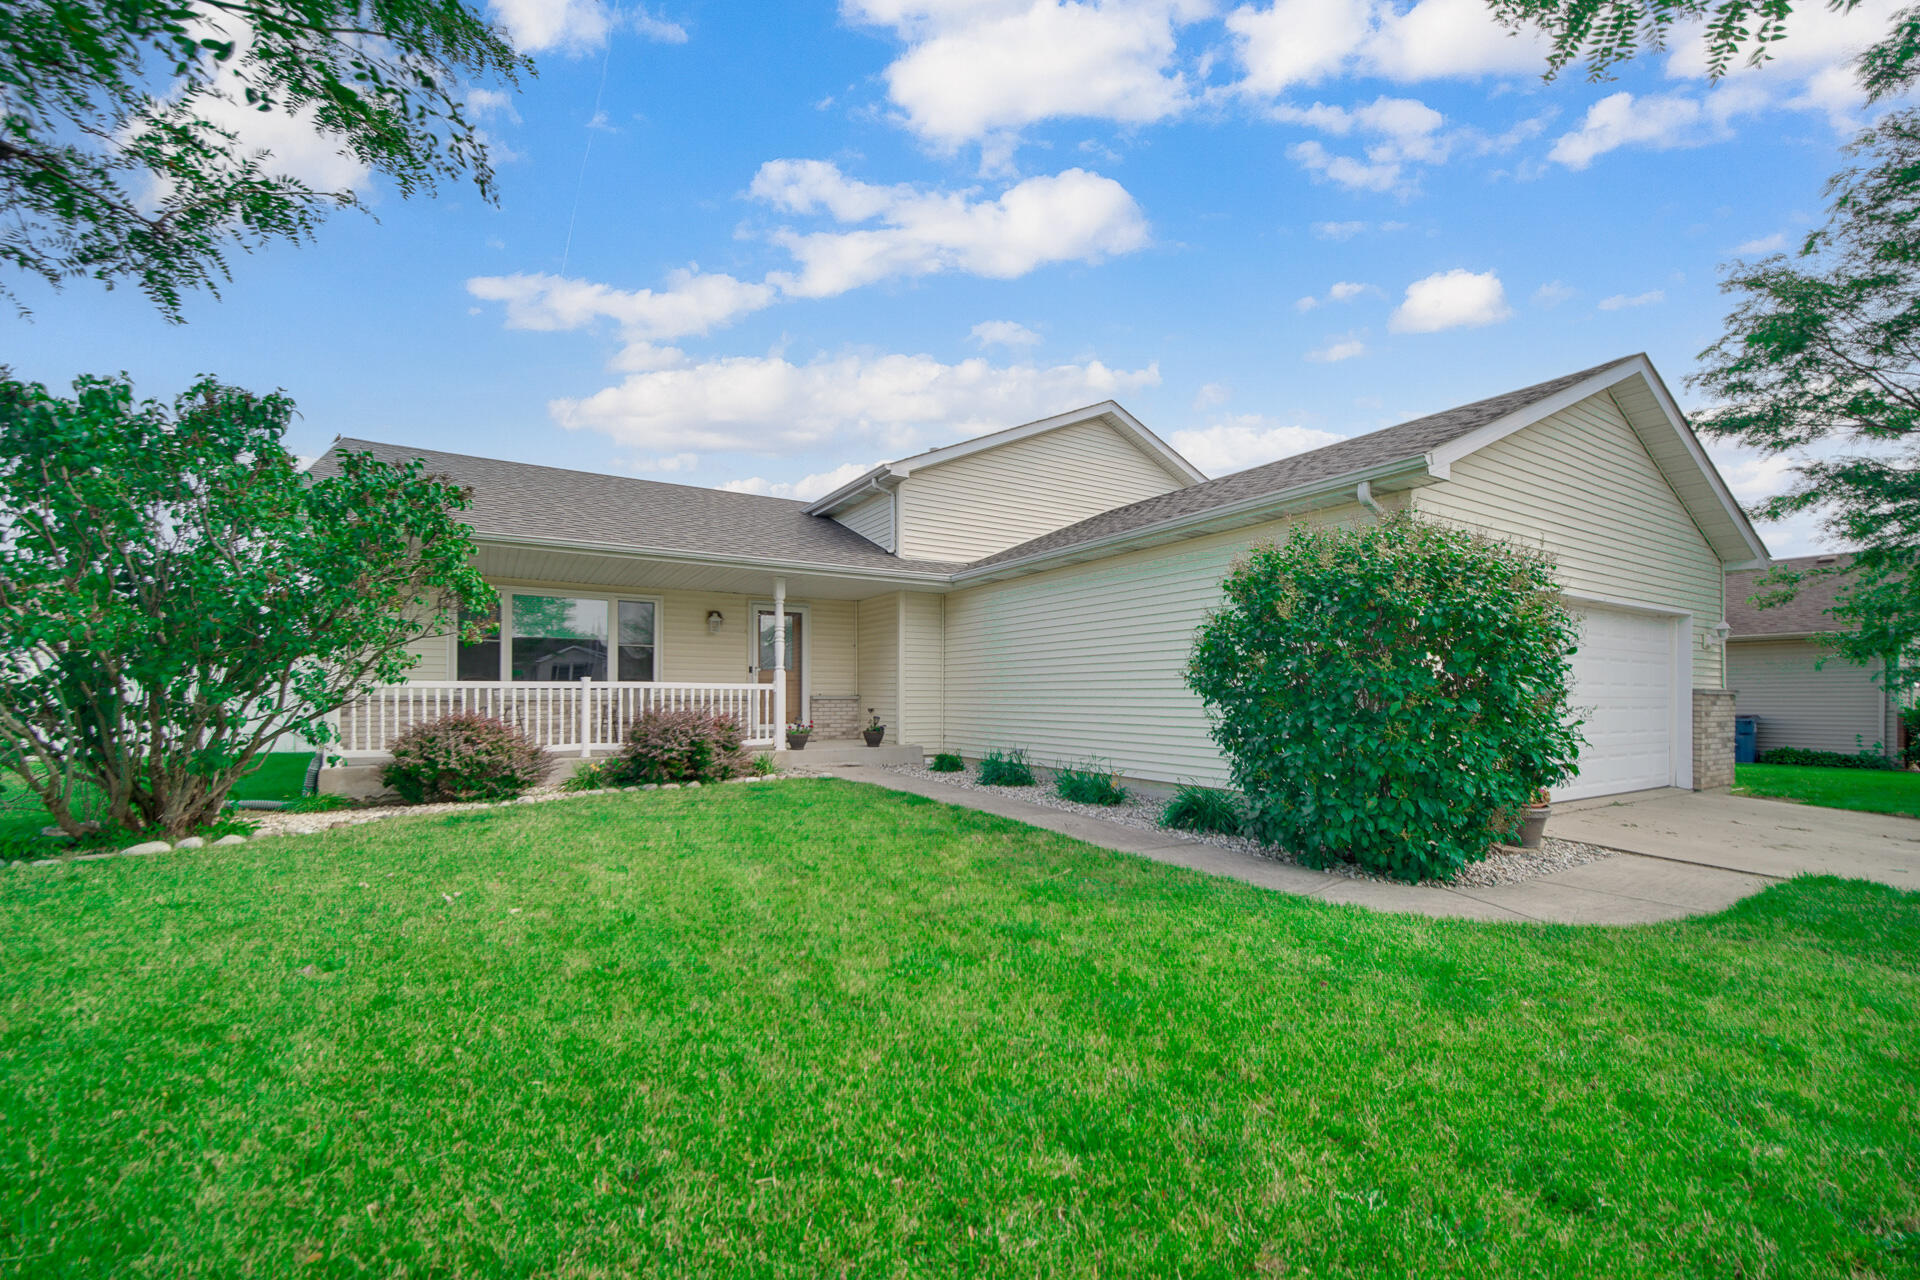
{"x":889,"y":474}
{"x":1808,"y":613}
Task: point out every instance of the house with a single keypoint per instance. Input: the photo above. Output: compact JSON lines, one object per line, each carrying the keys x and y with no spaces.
{"x":1804,"y":693}
{"x":1039,"y":587}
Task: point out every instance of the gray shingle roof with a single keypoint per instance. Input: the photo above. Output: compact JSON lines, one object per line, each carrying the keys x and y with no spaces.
{"x":1394,"y":444}
{"x":516,"y":499}
{"x":1806,"y":612}
{"x":521,"y":500}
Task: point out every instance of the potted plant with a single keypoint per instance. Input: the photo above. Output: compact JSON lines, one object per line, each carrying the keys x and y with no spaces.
{"x":797,"y":735}
{"x":874,"y":731}
{"x":1533,"y":820}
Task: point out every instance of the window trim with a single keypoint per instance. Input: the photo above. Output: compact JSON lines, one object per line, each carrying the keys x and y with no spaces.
{"x":612,"y":601}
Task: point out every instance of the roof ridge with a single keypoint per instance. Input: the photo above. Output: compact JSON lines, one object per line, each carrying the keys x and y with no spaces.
{"x":572,"y":471}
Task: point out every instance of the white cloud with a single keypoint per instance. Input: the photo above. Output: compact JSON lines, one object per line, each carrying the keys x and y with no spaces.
{"x":693,"y":302}
{"x":971,"y":71}
{"x":806,"y":488}
{"x":1338,"y":230}
{"x":1211,"y":395}
{"x":1337,"y":350}
{"x":1245,"y":440}
{"x":1621,"y":301}
{"x":1072,"y":216}
{"x":890,"y":403}
{"x":1404,"y":131}
{"x":1004,"y":333}
{"x":1764,"y":244}
{"x":1662,"y":122}
{"x":1457,"y":299}
{"x":1304,"y":42}
{"x":1553,"y":293}
{"x":578,"y":26}
{"x":1339,"y":291}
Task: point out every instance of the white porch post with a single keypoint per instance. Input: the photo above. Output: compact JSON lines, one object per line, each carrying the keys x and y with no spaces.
{"x":779,"y":665}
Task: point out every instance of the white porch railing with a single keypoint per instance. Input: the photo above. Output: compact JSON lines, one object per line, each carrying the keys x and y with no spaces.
{"x":560,"y":715}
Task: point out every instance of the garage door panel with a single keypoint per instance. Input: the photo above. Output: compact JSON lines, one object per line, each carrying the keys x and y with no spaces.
{"x":1623,"y":688}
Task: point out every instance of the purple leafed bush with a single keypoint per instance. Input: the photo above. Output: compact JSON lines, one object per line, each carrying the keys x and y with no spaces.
{"x":680,"y":746}
{"x":463,"y":756}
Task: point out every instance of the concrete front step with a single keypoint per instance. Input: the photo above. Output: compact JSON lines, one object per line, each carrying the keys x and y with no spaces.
{"x":826,"y":753}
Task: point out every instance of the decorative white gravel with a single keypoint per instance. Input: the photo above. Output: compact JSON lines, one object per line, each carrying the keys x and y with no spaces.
{"x":1505,"y":865}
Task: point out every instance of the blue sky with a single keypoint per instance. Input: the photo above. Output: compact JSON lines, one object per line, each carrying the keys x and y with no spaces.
{"x":769,"y":245}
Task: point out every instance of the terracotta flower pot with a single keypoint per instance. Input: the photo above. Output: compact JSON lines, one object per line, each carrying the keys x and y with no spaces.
{"x":873,"y":736}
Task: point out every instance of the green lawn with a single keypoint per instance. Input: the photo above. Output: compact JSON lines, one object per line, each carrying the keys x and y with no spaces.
{"x":817,"y":1029}
{"x":280,"y":777}
{"x":1870,"y":790}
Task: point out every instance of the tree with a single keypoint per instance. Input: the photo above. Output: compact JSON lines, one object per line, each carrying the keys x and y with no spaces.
{"x":1823,"y":350}
{"x":106,"y":173}
{"x":1605,"y":33}
{"x":1392,"y":695}
{"x":175,"y":593}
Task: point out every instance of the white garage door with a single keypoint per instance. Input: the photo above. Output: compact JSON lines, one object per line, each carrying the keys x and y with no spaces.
{"x":1623,"y":687}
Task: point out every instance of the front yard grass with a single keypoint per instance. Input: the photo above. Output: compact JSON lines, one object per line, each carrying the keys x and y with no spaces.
{"x":281,"y":776}
{"x":1868,"y":790}
{"x":818,"y":1029}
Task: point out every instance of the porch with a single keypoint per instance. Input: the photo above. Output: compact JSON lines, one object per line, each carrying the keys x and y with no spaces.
{"x":582,"y":644}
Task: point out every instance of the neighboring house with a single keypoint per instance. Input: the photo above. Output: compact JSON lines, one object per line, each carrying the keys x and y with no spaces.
{"x":1040,"y":587}
{"x":1805,"y":694}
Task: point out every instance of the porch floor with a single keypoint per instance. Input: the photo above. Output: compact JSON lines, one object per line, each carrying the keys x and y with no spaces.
{"x":829,"y":752}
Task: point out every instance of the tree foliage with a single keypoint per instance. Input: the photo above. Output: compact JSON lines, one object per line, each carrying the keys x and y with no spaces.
{"x":1822,"y":353}
{"x":1390,"y":695}
{"x":175,"y":593}
{"x":112,"y":165}
{"x":1605,"y":33}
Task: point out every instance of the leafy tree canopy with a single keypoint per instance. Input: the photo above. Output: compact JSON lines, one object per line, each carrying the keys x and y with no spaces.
{"x":175,"y":593}
{"x":111,"y":167}
{"x":1822,"y":353}
{"x":1604,"y":33}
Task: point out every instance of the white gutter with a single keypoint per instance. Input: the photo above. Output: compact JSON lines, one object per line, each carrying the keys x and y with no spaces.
{"x":570,"y":547}
{"x":1363,"y":494}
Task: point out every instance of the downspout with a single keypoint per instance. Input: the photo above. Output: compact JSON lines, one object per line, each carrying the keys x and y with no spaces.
{"x":1363,"y":494}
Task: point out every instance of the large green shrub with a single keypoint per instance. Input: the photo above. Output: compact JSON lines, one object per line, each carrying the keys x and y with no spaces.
{"x":679,"y":746}
{"x":1384,"y":693}
{"x":463,"y":756}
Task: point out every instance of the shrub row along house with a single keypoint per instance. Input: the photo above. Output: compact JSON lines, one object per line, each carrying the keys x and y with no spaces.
{"x":1040,"y":587}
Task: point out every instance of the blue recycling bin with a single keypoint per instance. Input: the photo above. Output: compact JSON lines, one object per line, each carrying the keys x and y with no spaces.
{"x":1746,"y":738}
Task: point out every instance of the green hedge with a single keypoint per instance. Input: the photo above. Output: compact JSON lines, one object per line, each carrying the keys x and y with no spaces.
{"x":1826,"y":759}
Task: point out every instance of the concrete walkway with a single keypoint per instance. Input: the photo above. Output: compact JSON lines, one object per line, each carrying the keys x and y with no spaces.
{"x":1683,"y":854}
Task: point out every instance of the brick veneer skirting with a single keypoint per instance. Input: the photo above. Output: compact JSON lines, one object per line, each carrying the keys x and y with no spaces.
{"x":839,"y":717}
{"x":1712,"y":739}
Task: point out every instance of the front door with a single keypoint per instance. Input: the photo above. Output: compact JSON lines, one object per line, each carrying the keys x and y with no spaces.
{"x":796,"y":660}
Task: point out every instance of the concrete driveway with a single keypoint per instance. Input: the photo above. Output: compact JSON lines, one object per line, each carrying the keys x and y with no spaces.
{"x":1773,"y":838}
{"x":1683,"y":853}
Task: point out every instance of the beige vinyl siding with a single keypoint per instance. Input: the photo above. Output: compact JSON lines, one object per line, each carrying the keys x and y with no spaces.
{"x":1836,"y":707}
{"x":879,"y":650}
{"x":1580,"y":484}
{"x":923,"y":665}
{"x":872,"y":519}
{"x":434,"y":654}
{"x":989,"y":501}
{"x":1090,"y":660}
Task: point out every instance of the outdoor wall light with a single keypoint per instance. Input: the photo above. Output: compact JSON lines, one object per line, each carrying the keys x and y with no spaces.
{"x":715,"y":621}
{"x":1717,"y":636}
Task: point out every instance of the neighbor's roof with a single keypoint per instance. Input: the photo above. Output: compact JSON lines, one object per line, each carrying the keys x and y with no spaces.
{"x":550,"y":504}
{"x":1805,"y":614}
{"x":1408,"y":441}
